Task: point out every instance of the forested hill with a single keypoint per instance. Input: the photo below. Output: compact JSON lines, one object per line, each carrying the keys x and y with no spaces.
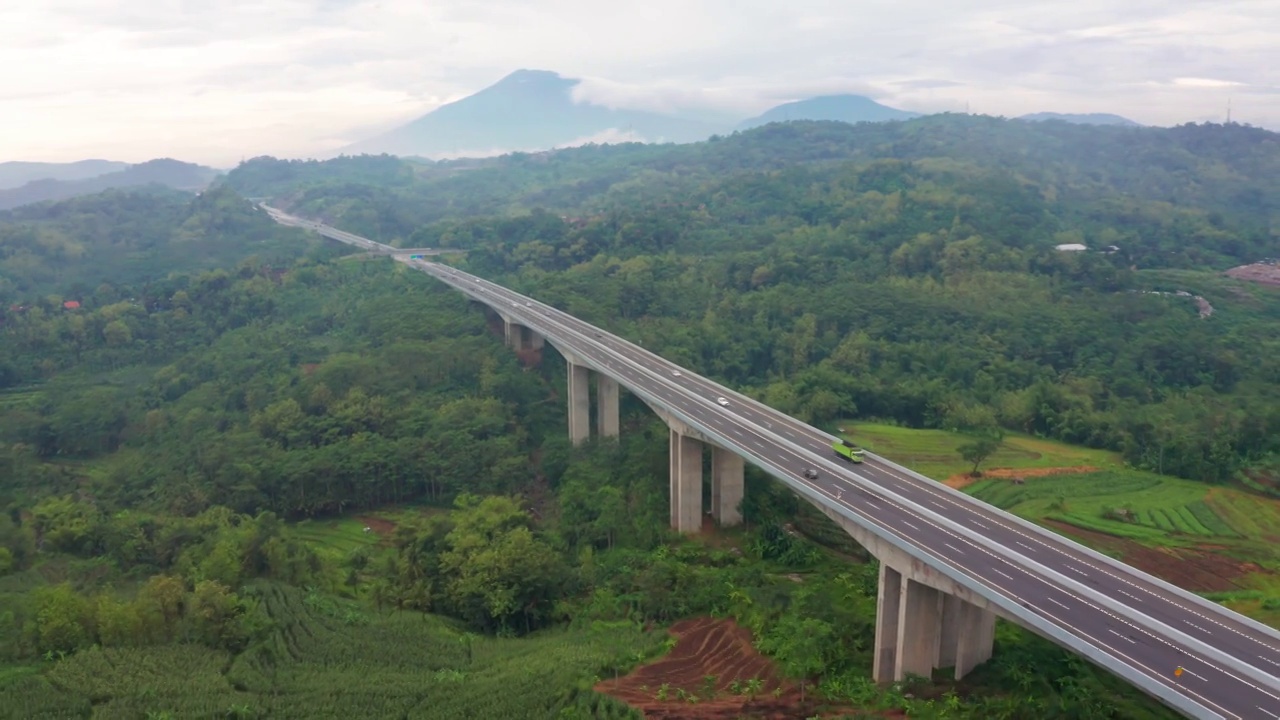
{"x":1194,"y":183}
{"x":127,"y":237}
{"x":903,"y":271}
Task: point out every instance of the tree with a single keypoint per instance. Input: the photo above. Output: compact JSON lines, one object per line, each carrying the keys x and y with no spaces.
{"x":978,"y":451}
{"x":800,"y":644}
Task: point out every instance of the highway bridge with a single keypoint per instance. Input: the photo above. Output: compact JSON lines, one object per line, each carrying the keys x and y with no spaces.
{"x":950,"y":564}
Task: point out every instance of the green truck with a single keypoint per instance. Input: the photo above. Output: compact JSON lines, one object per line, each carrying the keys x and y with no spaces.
{"x":847,"y":450}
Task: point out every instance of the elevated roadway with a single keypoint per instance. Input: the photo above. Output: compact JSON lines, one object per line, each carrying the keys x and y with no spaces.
{"x":1192,"y":654}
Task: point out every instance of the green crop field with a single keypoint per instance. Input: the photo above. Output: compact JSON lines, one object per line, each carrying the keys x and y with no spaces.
{"x":1159,"y":508}
{"x":1150,"y":509}
{"x":934,"y":452}
{"x":340,"y":536}
{"x":327,"y":659}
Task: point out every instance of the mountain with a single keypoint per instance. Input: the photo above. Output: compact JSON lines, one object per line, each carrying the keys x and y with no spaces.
{"x":15,"y":174}
{"x":1082,"y":118}
{"x":844,"y":108}
{"x":527,"y":110}
{"x":169,"y":173}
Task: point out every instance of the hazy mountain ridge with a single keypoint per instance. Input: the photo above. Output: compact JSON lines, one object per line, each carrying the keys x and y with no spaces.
{"x":841,"y":108}
{"x":16,"y":173}
{"x":535,"y":110}
{"x":527,"y":110}
{"x":167,"y":172}
{"x":1082,"y":118}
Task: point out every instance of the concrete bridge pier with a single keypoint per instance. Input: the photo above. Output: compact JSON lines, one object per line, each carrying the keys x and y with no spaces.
{"x":727,"y":489}
{"x":579,"y":392}
{"x":606,"y":406}
{"x":579,"y":402}
{"x":686,"y":482}
{"x":924,"y":620}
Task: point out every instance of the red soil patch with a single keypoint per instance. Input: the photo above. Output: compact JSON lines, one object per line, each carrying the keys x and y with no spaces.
{"x":381,"y":526}
{"x":1199,"y":570}
{"x":709,"y":646}
{"x":1264,"y":273}
{"x":964,"y":480}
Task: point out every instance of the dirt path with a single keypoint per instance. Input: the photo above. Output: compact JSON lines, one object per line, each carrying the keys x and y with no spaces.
{"x":964,"y":480}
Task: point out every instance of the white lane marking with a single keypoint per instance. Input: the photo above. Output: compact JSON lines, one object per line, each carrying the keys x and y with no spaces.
{"x":1025,"y":545}
{"x":1122,"y":635}
{"x":1268,"y":712}
{"x":1273,"y":662}
{"x":1135,"y":597}
{"x":1195,"y":626}
{"x":953,"y":547}
{"x":998,"y":570}
{"x":1055,"y":602}
{"x":911,"y":525}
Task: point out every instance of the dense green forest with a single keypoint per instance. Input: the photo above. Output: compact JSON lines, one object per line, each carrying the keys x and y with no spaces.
{"x":901,"y":271}
{"x":224,"y":382}
{"x":69,"y":249}
{"x":1169,"y":197}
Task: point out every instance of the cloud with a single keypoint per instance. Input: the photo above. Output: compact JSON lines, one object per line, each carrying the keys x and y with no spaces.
{"x":211,"y":81}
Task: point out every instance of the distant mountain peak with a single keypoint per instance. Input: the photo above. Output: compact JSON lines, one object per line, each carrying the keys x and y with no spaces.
{"x":843,"y":108}
{"x":1082,"y":118}
{"x":526,"y":75}
{"x":525,"y":111}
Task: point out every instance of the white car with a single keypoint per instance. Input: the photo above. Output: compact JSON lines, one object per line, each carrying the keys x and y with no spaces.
{"x":722,"y":401}
{"x":676,"y":373}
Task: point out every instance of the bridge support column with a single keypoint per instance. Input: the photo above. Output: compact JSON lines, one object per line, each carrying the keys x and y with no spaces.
{"x":686,"y":482}
{"x":726,"y":486}
{"x":968,"y":639}
{"x":536,"y":341}
{"x":924,"y":621}
{"x":606,"y":406}
{"x":888,"y":594}
{"x":579,"y":402}
{"x":919,"y":621}
{"x":920,"y":629}
{"x":514,"y":333}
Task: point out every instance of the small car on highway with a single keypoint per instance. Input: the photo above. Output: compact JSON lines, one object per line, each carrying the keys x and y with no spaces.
{"x":810,"y":473}
{"x":722,"y":401}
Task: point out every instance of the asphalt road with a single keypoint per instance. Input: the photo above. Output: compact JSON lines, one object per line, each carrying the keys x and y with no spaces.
{"x":783,"y":444}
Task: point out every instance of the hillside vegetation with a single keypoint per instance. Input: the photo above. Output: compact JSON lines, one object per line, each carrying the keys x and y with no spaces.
{"x":79,"y":247}
{"x":256,"y":482}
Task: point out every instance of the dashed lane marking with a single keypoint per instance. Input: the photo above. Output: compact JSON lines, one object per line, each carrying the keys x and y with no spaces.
{"x":1122,"y":635}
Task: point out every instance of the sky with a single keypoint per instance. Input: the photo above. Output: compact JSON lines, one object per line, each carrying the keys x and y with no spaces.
{"x":218,"y":81}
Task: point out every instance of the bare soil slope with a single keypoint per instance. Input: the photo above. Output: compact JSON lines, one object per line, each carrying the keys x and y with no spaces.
{"x":706,"y":647}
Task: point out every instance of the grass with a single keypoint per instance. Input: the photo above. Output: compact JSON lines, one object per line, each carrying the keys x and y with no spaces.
{"x":320,"y":663}
{"x":339,"y":537}
{"x":1142,"y":507}
{"x":934,"y":452}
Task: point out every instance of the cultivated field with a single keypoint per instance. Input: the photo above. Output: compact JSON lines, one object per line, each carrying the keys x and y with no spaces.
{"x":327,"y":659}
{"x":1213,"y":539}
